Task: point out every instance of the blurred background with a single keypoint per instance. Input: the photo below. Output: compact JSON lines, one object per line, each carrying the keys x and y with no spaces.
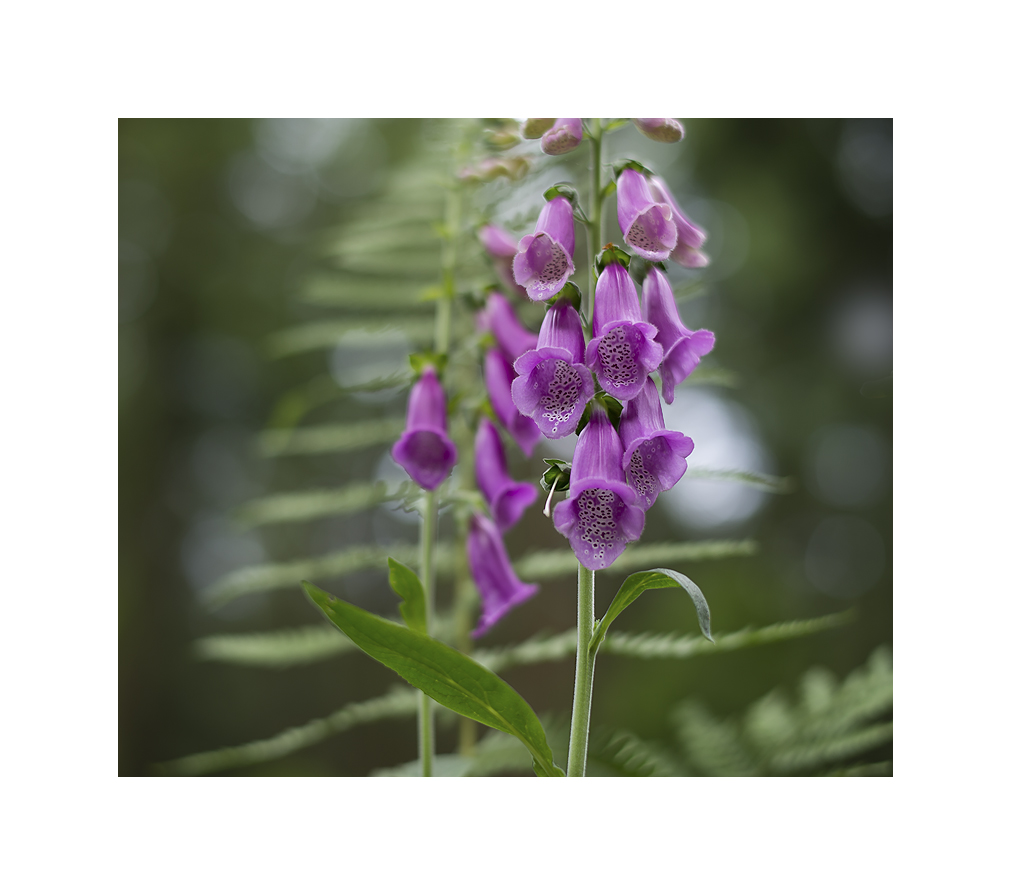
{"x":220,"y":228}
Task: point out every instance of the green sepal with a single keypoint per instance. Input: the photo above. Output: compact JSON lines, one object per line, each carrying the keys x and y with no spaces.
{"x":609,"y":190}
{"x":500,"y":139}
{"x":432,"y":293}
{"x":557,"y":474}
{"x":616,"y":124}
{"x":635,"y":584}
{"x":611,"y":254}
{"x":407,"y":585}
{"x":624,"y":163}
{"x":562,"y":189}
{"x":441,"y":672}
{"x":569,"y":291}
{"x":422,"y":359}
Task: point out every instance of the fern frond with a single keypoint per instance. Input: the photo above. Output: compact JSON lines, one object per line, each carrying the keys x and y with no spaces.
{"x":274,"y":649}
{"x":417,"y":328}
{"x":621,"y":753}
{"x":301,"y":506}
{"x":544,"y":564}
{"x":398,"y":703}
{"x":774,"y":484}
{"x":329,"y":439}
{"x":362,"y":294}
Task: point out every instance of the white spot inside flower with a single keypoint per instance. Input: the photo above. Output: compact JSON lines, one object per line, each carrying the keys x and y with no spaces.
{"x":597,"y":527}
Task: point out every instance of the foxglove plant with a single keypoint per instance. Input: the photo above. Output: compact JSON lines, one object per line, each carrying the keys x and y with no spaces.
{"x":553,"y":384}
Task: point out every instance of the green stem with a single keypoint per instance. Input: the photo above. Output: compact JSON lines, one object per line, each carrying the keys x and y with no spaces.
{"x":426,"y":708}
{"x":579,"y":732}
{"x":593,"y":232}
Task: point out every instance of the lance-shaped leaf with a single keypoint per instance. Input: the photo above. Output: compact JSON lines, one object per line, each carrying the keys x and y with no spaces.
{"x":635,"y":584}
{"x":408,"y":587}
{"x":447,"y":676}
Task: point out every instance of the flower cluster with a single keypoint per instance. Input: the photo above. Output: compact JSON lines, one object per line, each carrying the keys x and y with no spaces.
{"x":566,"y":379}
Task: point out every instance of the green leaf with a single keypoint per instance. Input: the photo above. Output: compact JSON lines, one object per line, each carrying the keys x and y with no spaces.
{"x":447,"y":676}
{"x":422,"y":359}
{"x":635,"y":584}
{"x":408,"y":587}
{"x":616,"y":123}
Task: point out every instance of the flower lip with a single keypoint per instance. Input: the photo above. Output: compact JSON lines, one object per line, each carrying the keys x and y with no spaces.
{"x":543,"y":262}
{"x":496,"y":581}
{"x":653,"y":457}
{"x":689,"y":233}
{"x":647,"y":223}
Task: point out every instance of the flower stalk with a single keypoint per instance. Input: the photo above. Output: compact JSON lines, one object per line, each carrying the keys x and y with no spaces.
{"x":426,"y":708}
{"x":579,"y":731}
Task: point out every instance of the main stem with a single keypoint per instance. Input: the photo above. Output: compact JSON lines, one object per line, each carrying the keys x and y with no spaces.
{"x":579,"y":732}
{"x":426,"y":708}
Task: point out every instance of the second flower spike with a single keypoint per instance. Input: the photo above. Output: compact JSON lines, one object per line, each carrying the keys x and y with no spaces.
{"x":424,"y":450}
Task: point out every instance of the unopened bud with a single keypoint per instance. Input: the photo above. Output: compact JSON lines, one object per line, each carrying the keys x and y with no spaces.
{"x":663,"y":130}
{"x":565,"y":136}
{"x":532,"y":128}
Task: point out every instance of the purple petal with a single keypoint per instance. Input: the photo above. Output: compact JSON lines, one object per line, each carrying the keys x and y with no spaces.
{"x":497,"y":242}
{"x":498,"y":377}
{"x":562,"y":328}
{"x":493,"y":575}
{"x":512,"y":336}
{"x":599,"y":519}
{"x":623,"y":357}
{"x":507,"y":498}
{"x":563,"y":137}
{"x":689,"y":233}
{"x":663,"y":130}
{"x":614,"y":299}
{"x":598,"y":450}
{"x":552,"y":390}
{"x":686,"y":256}
{"x":427,"y":455}
{"x":543,"y":262}
{"x":426,"y":406}
{"x":556,"y":220}
{"x":647,"y":225}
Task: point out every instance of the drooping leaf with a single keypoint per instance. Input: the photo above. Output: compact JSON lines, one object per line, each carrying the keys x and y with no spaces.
{"x":635,"y":584}
{"x":447,"y":676}
{"x":408,"y":587}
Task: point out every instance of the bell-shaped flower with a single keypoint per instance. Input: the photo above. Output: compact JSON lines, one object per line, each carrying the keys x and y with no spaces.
{"x":512,"y":336}
{"x":424,"y":450}
{"x":654,"y":457}
{"x":663,"y":130}
{"x":623,"y":351}
{"x":543,"y":262}
{"x":602,"y":513}
{"x":690,"y":235}
{"x":498,"y":379}
{"x":493,"y":574}
{"x":647,"y":222}
{"x":683,"y":348}
{"x":553,"y":384}
{"x":507,"y":498}
{"x":563,"y":136}
{"x":502,"y":249}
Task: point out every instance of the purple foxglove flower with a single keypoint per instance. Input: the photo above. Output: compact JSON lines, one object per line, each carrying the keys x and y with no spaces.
{"x":493,"y":574}
{"x":497,"y":242}
{"x":647,"y":222}
{"x":532,"y":128}
{"x":564,"y":136}
{"x":663,"y":130}
{"x":507,"y":498}
{"x":543,"y":262}
{"x":654,"y":457}
{"x":690,"y":235}
{"x":683,"y":348}
{"x":498,"y":378}
{"x":623,"y":351}
{"x":424,"y":449}
{"x":553,"y":384}
{"x":512,"y":336}
{"x":602,"y":513}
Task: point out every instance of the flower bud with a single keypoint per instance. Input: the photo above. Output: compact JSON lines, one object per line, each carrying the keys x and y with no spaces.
{"x":532,"y":128}
{"x":663,"y":130}
{"x":424,"y":450}
{"x":563,"y":137}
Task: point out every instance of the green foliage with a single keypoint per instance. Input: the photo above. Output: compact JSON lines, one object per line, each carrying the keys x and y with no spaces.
{"x":301,"y":506}
{"x":824,"y":731}
{"x":774,"y":484}
{"x":621,"y":753}
{"x":334,"y":438}
{"x":654,"y":579}
{"x":447,"y":676}
{"x":408,"y":587}
{"x":274,"y":649}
